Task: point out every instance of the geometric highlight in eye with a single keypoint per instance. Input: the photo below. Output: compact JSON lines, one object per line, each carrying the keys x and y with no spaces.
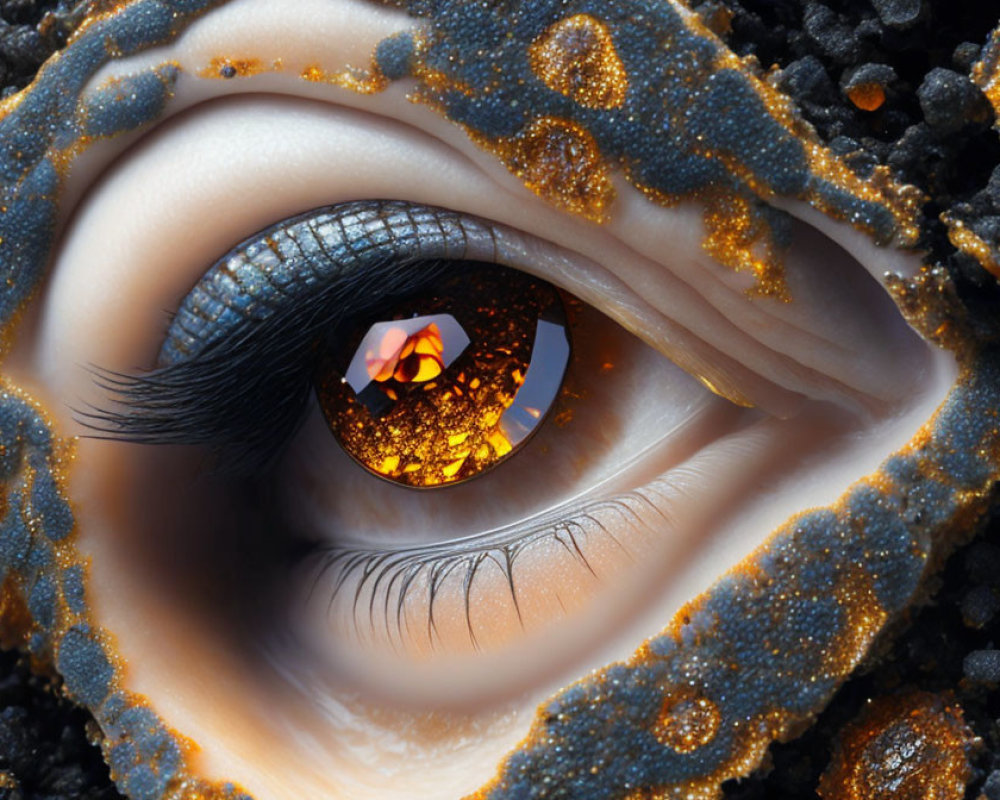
{"x":407,"y":351}
{"x":450,"y":382}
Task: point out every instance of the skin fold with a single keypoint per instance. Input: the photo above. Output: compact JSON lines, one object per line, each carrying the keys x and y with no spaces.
{"x":801,"y":407}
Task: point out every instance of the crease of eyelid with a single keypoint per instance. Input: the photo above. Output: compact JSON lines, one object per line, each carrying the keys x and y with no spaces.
{"x":479,"y":242}
{"x":778,"y":383}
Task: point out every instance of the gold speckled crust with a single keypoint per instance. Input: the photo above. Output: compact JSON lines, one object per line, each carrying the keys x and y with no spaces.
{"x":909,"y":746}
{"x":680,"y":117}
{"x":986,"y":72}
{"x":576,"y":57}
{"x":606,"y":106}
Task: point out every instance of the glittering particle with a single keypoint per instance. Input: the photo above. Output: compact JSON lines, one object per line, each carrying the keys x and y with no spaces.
{"x":986,"y":73}
{"x":913,"y":746}
{"x":577,"y":58}
{"x":370,"y":81}
{"x":747,"y":239}
{"x":963,"y":238}
{"x":560,"y":162}
{"x":687,"y":722}
{"x":437,"y":398}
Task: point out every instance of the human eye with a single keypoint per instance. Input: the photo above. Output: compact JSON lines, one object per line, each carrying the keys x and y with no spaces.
{"x":733,"y":362}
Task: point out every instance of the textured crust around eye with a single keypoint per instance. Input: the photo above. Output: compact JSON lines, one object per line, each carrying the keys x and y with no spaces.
{"x":750,"y":661}
{"x":43,"y":577}
{"x":765,"y":649}
{"x":565,"y":92}
{"x":986,"y":75}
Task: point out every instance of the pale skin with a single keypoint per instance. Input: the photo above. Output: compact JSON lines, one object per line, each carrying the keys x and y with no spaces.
{"x":432,"y":722}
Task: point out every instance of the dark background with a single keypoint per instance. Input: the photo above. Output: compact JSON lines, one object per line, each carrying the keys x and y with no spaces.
{"x":934,"y":131}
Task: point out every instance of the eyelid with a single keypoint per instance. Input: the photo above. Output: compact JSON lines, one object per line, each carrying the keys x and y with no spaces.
{"x":764,"y":359}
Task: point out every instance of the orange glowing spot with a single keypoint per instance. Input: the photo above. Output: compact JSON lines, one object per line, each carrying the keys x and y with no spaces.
{"x":499,"y":443}
{"x":226,"y":68}
{"x":475,"y":383}
{"x":389,"y":465}
{"x":406,"y":358}
{"x":867,"y":96}
{"x":576,"y":57}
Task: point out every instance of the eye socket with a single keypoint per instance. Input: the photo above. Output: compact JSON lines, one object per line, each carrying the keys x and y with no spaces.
{"x":579,"y":507}
{"x":441,"y":589}
{"x":652,"y":272}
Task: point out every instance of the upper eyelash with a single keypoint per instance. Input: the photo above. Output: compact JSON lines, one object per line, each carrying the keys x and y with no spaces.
{"x":388,"y":567}
{"x":243,"y":338}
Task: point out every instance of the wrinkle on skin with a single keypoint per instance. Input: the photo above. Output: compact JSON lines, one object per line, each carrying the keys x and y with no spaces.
{"x":769,"y":643}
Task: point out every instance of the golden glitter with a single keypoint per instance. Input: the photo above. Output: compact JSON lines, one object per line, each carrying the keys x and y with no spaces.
{"x":913,"y":746}
{"x":561,"y":163}
{"x":967,"y":241}
{"x":367,"y":81}
{"x":577,"y":58}
{"x":224,"y":67}
{"x":867,"y":96}
{"x":687,"y":722}
{"x":741,"y":238}
{"x":433,"y":396}
{"x":986,"y":73}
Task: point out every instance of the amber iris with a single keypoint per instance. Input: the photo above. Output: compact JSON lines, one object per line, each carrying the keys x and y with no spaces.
{"x":450,"y":382}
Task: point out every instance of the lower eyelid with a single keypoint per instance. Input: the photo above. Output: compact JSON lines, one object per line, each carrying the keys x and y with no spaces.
{"x":406,"y":623}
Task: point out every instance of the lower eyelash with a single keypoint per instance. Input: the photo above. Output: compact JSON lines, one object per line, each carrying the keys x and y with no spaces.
{"x":397,"y":572}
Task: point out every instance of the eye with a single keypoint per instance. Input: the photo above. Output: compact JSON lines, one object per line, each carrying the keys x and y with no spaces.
{"x":305,"y":621}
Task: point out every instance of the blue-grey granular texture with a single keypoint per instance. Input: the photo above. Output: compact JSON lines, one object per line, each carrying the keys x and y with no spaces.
{"x":933,"y":130}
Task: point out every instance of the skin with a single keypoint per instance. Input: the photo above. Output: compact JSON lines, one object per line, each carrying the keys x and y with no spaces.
{"x":229,"y":156}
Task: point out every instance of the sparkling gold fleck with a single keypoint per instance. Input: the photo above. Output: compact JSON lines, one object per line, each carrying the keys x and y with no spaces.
{"x":451,"y":470}
{"x":560,"y":162}
{"x":739,"y":237}
{"x":986,"y":72}
{"x":576,"y":57}
{"x":687,"y":721}
{"x":362,"y":81}
{"x":967,"y":241}
{"x":914,"y":746}
{"x":389,"y":465}
{"x":226,"y":67}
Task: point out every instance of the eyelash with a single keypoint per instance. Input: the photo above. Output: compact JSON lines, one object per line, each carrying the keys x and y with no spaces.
{"x":386,"y":568}
{"x":265,"y":359}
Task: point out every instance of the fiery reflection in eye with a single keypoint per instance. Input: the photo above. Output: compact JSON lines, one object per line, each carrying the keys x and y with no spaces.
{"x":431,"y":399}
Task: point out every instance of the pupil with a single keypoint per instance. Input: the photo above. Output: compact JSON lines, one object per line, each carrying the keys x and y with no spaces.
{"x":449,"y":382}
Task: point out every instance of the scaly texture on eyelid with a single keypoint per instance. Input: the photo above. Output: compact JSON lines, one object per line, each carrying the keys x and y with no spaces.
{"x":745,"y":663}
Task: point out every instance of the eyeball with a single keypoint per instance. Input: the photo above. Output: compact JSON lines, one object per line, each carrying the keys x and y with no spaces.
{"x":433,"y":399}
